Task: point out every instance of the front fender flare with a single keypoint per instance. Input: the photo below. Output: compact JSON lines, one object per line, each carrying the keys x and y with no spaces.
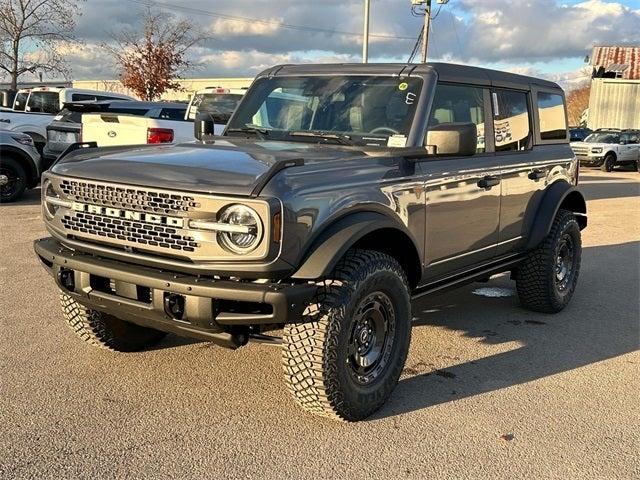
{"x":335,"y":240}
{"x":559,"y":194}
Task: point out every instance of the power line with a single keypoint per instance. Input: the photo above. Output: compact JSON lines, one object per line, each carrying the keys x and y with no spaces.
{"x":250,"y":20}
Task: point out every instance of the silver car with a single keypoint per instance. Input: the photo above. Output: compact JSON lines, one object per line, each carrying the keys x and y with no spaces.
{"x":20,"y":166}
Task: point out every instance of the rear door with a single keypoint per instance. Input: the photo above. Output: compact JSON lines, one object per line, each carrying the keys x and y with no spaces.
{"x":462,"y":194}
{"x":532,"y":143}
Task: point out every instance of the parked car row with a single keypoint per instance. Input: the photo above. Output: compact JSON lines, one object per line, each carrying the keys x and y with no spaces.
{"x":50,"y":120}
{"x":608,"y":148}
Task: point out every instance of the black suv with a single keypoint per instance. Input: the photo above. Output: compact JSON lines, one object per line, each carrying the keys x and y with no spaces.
{"x":336,"y":195}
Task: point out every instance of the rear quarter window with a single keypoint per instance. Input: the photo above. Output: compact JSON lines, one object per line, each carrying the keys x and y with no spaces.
{"x":551,"y":115}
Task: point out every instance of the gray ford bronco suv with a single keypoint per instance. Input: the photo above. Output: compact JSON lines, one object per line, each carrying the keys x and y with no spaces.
{"x":336,"y":194}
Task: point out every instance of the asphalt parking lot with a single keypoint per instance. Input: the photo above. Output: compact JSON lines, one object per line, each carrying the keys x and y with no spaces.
{"x":489,"y":390}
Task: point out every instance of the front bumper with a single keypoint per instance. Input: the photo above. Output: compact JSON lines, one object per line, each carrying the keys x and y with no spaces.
{"x":140,"y":294}
{"x":590,"y":160}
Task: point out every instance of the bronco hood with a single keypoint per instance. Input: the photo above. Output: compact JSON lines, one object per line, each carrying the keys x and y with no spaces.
{"x":229,"y":166}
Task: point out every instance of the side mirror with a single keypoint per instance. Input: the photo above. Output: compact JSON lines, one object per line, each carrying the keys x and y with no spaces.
{"x":203,"y":126}
{"x":453,"y":139}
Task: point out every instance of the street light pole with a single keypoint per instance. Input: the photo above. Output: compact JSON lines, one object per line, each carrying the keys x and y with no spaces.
{"x":365,"y":40}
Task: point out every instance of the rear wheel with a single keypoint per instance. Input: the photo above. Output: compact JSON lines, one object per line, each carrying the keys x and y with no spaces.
{"x":345,"y":360}
{"x":106,"y":331}
{"x":608,"y":163}
{"x":13,"y":179}
{"x":546,"y":280}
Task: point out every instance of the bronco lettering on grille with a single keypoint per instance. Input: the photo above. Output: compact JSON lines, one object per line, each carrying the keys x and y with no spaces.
{"x":128,"y":215}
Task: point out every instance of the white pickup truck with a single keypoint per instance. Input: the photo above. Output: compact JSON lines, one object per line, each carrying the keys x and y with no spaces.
{"x":218,"y":103}
{"x":111,"y":129}
{"x":33,"y":109}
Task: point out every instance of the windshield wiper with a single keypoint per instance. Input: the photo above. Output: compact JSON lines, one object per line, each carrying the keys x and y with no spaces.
{"x":338,"y":137}
{"x":250,"y":128}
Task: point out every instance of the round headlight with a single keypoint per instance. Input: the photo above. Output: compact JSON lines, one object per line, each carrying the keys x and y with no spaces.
{"x":249,"y":232}
{"x":49,"y":191}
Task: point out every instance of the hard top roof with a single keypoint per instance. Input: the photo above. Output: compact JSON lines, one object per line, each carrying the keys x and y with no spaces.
{"x":446,"y":72}
{"x":126,"y":104}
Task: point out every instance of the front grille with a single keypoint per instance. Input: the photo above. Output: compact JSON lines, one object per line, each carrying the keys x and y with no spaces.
{"x":147,"y":220}
{"x":136,"y":232}
{"x":580,"y":150}
{"x":129,"y":198}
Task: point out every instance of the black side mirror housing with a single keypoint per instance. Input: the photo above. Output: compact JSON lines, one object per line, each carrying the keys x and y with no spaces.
{"x":203,"y":125}
{"x":453,"y":139}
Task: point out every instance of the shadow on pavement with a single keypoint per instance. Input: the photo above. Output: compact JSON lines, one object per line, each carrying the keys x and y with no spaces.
{"x":30,"y":197}
{"x":600,"y":191}
{"x":588,"y":331}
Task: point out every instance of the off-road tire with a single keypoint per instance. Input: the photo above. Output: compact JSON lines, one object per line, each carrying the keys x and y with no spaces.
{"x":315,"y":353}
{"x":11,"y":167}
{"x":608,"y":163}
{"x":106,"y":331}
{"x":536,"y":277}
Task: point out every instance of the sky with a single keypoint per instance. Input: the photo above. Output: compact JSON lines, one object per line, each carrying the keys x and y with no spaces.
{"x":548,"y":38}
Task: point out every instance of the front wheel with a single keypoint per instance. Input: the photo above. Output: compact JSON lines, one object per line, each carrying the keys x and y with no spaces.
{"x":547,"y":278}
{"x":345,"y":359}
{"x":608,"y":163}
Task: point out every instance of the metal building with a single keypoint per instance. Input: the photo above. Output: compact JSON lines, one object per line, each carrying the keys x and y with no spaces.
{"x":615,"y":88}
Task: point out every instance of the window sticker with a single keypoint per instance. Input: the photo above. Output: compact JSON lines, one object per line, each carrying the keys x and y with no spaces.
{"x":397,"y":141}
{"x":403,"y":86}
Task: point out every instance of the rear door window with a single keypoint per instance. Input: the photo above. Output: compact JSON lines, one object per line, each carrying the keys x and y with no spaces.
{"x":511,"y":121}
{"x":553,"y":121}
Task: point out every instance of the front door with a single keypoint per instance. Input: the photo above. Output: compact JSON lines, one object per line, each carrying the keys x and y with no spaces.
{"x":462,"y":194}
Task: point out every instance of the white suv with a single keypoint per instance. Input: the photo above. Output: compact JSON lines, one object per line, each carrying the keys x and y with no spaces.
{"x":607,"y":148}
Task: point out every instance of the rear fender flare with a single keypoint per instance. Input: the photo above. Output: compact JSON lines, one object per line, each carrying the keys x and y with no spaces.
{"x":560,"y":194}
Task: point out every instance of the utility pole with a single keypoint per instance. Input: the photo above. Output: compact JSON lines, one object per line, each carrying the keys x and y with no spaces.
{"x":426,"y":4}
{"x":425,"y":32}
{"x":365,"y":40}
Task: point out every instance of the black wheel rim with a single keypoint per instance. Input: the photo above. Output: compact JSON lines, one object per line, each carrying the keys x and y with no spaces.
{"x":9,"y":182}
{"x":564,"y":268}
{"x":371,"y":338}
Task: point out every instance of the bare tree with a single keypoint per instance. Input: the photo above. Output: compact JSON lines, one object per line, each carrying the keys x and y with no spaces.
{"x":31,"y":32}
{"x":151,"y":61}
{"x":578,"y":102}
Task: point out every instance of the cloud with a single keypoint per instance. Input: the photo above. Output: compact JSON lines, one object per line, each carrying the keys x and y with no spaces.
{"x":511,"y":33}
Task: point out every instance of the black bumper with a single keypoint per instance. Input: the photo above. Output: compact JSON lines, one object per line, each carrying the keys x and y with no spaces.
{"x":140,"y":294}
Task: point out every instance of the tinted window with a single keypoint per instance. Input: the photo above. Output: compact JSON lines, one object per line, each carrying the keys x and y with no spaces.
{"x":459,"y":104}
{"x":634,"y":138}
{"x":511,"y":121}
{"x":47,"y":102}
{"x":82,"y":97}
{"x":553,"y":123}
{"x":172,"y":113}
{"x":20,"y":101}
{"x":220,"y":105}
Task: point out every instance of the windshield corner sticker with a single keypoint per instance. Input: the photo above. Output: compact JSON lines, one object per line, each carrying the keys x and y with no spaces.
{"x":403,"y":86}
{"x":399,"y":141}
{"x":410,"y":98}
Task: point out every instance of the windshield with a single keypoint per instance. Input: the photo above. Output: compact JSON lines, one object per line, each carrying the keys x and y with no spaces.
{"x":365,"y":110}
{"x":219,"y":105}
{"x":603,"y":137}
{"x":20,"y":101}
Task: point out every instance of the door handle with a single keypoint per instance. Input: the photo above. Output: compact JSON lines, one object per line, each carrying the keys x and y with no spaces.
{"x":537,"y":174}
{"x":488,"y":182}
